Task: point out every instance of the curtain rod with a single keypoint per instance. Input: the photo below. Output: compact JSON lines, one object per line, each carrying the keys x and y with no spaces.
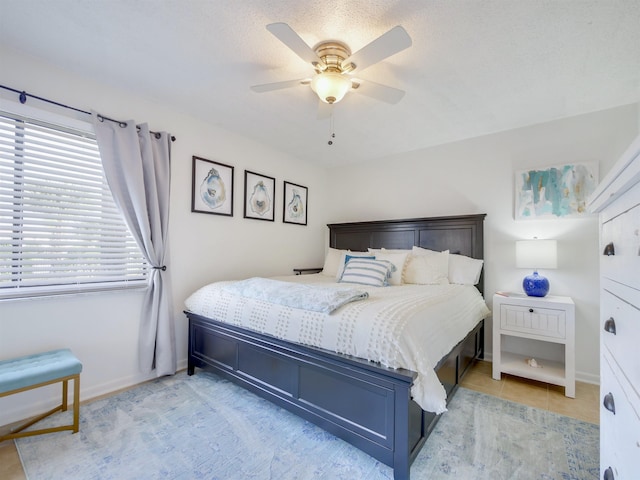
{"x":22,"y":96}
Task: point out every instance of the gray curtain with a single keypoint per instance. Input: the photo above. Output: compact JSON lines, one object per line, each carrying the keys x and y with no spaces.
{"x":137,"y":168}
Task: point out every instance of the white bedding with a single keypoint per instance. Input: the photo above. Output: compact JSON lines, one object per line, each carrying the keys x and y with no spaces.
{"x":407,"y":326}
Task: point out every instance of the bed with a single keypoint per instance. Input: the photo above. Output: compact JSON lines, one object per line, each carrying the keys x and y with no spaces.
{"x":330,"y":389}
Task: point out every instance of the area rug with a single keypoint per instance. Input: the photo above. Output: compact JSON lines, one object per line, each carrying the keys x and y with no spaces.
{"x":204,"y":427}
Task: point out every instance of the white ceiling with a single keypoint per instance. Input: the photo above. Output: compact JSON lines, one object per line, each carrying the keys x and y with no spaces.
{"x":475,"y":67}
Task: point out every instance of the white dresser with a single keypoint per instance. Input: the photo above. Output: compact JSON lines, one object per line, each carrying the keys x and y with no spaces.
{"x":617,"y":200}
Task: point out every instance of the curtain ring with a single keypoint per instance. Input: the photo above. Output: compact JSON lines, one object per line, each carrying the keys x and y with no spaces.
{"x":122,"y":124}
{"x":157,"y":134}
{"x":100,"y":118}
{"x":23,"y":97}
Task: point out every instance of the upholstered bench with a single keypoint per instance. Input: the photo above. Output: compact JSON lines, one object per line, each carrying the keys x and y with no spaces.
{"x":33,"y":371}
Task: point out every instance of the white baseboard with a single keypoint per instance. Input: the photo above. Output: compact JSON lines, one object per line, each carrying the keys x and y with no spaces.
{"x":588,"y":378}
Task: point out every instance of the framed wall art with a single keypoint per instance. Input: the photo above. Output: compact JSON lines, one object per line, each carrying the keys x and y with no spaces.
{"x":211,"y":187}
{"x":554,"y":192}
{"x":259,"y":196}
{"x":294,"y":208}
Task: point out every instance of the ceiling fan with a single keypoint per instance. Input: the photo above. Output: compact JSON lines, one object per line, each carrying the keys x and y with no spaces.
{"x":333,"y":64}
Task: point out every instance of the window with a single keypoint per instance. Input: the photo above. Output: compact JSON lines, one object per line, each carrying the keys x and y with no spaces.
{"x":60,"y":230}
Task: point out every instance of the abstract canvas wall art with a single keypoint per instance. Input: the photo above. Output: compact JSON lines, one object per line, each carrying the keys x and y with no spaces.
{"x":554,"y":192}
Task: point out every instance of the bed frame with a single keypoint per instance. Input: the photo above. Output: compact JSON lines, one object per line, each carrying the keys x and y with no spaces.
{"x":365,"y":404}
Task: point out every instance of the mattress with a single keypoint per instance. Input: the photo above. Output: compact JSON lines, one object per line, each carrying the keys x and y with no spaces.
{"x":405,"y":326}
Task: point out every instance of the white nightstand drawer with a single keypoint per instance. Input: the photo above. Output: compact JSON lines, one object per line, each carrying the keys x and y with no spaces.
{"x":532,"y":320}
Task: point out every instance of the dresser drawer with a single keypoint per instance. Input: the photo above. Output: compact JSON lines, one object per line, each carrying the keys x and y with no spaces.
{"x":619,"y":314}
{"x":619,"y":432}
{"x":544,"y":322}
{"x":621,"y":269}
{"x":623,"y":232}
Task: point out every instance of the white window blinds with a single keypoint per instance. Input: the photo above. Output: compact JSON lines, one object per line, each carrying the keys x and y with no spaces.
{"x":60,"y":230}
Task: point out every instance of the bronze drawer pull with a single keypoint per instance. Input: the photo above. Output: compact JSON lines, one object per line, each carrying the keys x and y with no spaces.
{"x":608,"y":474}
{"x":610,"y":325}
{"x":609,"y":250}
{"x":608,"y":403}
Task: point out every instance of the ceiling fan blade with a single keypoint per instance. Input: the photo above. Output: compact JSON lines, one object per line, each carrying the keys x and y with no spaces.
{"x":380,"y":92}
{"x":390,"y":43}
{"x":268,"y":87}
{"x":291,"y":39}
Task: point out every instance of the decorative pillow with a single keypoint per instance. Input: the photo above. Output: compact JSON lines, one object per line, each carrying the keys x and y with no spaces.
{"x":332,"y":262}
{"x":349,"y":255}
{"x":399,"y":260}
{"x":427,"y":267}
{"x":367,"y":271}
{"x":464,"y":270}
{"x":343,"y":260}
{"x":423,"y":251}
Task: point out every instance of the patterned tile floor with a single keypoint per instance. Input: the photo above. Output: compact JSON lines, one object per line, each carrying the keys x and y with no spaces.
{"x":536,"y":394}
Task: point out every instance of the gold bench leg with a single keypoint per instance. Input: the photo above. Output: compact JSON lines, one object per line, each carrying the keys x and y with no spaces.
{"x":75,"y":427}
{"x":76,"y":404}
{"x":64,"y":395}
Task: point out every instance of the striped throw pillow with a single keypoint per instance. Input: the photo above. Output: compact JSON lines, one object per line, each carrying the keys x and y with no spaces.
{"x":367,"y":271}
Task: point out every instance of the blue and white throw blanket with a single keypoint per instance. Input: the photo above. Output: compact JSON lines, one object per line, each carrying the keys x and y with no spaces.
{"x":306,"y":297}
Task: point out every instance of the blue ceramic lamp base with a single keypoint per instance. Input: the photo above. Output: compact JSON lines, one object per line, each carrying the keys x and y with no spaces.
{"x":535,"y":285}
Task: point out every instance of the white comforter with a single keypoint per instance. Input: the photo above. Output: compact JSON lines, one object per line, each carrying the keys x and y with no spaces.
{"x":408,"y":326}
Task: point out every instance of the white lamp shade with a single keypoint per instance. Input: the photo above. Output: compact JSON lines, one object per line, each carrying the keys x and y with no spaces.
{"x":330,"y":86}
{"x":536,"y":254}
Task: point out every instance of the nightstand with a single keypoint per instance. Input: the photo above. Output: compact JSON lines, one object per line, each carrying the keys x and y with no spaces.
{"x":535,"y":321}
{"x":305,"y":271}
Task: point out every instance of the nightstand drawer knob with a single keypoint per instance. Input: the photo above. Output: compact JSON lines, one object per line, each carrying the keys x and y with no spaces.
{"x":531,"y":310}
{"x":609,"y":250}
{"x":609,"y":404}
{"x":610,"y":325}
{"x":608,"y":474}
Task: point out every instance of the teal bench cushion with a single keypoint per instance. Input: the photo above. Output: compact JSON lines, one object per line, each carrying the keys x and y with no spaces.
{"x":31,"y":370}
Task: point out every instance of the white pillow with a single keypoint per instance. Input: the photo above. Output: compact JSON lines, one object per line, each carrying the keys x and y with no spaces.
{"x":332,"y":262}
{"x":399,"y":259}
{"x":367,"y":271}
{"x":427,"y":267}
{"x":423,"y":251}
{"x":464,"y":270}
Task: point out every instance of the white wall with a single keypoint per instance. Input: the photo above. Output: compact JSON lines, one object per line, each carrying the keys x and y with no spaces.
{"x":477,"y":176}
{"x":102,"y":329}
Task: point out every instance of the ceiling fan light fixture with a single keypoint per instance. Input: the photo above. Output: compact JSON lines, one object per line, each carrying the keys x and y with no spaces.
{"x":331,"y":87}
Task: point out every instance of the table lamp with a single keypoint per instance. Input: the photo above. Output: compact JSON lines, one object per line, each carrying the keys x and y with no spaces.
{"x":536,"y":254}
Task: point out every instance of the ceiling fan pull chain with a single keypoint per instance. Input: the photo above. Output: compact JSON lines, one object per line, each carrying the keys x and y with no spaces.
{"x":332,"y":133}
